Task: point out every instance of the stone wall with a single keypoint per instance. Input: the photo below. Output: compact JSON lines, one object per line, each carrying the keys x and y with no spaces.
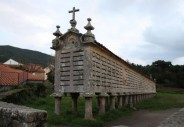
{"x":12,"y":115}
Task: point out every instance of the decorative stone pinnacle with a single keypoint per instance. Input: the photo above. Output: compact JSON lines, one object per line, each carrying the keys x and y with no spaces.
{"x":57,"y":33}
{"x":73,"y":22}
{"x":89,"y":27}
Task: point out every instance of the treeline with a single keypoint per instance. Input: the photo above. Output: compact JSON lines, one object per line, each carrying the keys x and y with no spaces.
{"x":164,"y":73}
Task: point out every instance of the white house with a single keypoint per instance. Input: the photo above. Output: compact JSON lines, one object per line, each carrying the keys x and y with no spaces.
{"x":47,"y":70}
{"x":11,"y":62}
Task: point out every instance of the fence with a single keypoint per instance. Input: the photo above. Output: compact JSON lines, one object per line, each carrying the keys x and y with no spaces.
{"x":12,"y":78}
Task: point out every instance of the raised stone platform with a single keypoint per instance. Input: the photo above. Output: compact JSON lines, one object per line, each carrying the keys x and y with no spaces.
{"x":12,"y":115}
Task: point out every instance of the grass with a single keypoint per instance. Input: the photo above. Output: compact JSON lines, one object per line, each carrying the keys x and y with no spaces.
{"x":74,"y":120}
{"x":165,"y":99}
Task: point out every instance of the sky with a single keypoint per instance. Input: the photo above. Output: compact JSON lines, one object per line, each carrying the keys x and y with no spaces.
{"x":139,"y":31}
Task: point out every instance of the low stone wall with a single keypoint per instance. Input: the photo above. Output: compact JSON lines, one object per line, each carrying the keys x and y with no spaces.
{"x":12,"y":115}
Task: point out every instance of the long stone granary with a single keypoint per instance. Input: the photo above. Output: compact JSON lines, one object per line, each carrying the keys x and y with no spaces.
{"x":85,"y":67}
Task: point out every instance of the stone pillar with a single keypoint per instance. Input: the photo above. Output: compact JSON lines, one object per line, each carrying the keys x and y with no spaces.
{"x":134,"y":99}
{"x":142,"y":97}
{"x":74,"y":101}
{"x":58,"y":105}
{"x":123,"y":100}
{"x":88,"y":108}
{"x":112,"y":102}
{"x":107,"y":102}
{"x":126,"y":100}
{"x":98,"y":102}
{"x":120,"y":103}
{"x":130,"y":101}
{"x":101,"y":105}
{"x":138,"y":98}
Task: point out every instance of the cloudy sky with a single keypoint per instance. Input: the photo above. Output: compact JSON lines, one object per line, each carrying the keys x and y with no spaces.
{"x":140,"y":31}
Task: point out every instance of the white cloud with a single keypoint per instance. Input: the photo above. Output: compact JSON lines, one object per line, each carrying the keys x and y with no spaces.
{"x":178,"y":61}
{"x":141,"y":31}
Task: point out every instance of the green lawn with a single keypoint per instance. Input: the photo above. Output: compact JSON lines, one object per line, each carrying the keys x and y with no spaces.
{"x":162,"y":101}
{"x":74,"y":120}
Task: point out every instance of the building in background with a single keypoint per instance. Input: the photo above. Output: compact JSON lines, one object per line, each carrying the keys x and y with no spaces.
{"x":12,"y":62}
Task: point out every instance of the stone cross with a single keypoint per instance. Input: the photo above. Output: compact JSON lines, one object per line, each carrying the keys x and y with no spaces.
{"x":73,"y":11}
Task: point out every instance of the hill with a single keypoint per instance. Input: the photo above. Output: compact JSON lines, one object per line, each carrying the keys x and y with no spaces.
{"x":24,"y":56}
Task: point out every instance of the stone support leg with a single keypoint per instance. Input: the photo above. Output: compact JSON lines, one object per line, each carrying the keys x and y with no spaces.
{"x":123,"y":100}
{"x":133,"y":99}
{"x":74,"y":101}
{"x":138,"y":98}
{"x":58,"y":105}
{"x":130,"y":101}
{"x":107,"y":102}
{"x":88,"y":108}
{"x":120,"y":104}
{"x":126,"y":100}
{"x":101,"y":105}
{"x":98,"y":102}
{"x":142,"y":97}
{"x":112,"y":103}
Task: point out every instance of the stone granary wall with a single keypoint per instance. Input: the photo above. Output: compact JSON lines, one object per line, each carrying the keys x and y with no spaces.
{"x":20,"y":116}
{"x":85,"y":67}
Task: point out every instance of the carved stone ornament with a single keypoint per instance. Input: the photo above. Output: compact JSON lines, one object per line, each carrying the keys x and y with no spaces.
{"x":71,"y":42}
{"x":56,"y":43}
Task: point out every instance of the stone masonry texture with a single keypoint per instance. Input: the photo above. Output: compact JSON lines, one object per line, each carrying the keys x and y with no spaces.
{"x":12,"y":115}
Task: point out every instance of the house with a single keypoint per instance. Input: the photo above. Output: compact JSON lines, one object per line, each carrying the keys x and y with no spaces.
{"x":47,"y":70}
{"x":36,"y":70}
{"x":10,"y":77}
{"x":11,"y":62}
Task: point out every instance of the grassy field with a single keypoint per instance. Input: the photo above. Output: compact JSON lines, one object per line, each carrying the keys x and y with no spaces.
{"x":165,"y":99}
{"x":74,"y":120}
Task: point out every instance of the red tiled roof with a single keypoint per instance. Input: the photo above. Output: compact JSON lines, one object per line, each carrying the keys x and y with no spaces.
{"x":8,"y":69}
{"x":35,"y":68}
{"x":14,"y":77}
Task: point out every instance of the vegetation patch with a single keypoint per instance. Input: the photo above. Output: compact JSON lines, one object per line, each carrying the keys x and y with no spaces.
{"x":163,"y":101}
{"x":74,"y":120}
{"x":23,"y":94}
{"x":37,"y":96}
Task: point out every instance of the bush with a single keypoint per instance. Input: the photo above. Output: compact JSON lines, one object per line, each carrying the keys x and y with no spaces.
{"x":26,"y":92}
{"x":36,"y":89}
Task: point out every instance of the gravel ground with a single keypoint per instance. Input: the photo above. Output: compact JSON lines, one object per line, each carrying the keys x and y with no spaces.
{"x":143,"y":118}
{"x":175,"y":120}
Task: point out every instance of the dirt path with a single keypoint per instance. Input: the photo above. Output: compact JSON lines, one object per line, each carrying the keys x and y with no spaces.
{"x":142,"y":118}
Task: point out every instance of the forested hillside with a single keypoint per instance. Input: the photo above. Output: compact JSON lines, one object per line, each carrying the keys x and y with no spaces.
{"x":165,"y":73}
{"x":23,"y":55}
